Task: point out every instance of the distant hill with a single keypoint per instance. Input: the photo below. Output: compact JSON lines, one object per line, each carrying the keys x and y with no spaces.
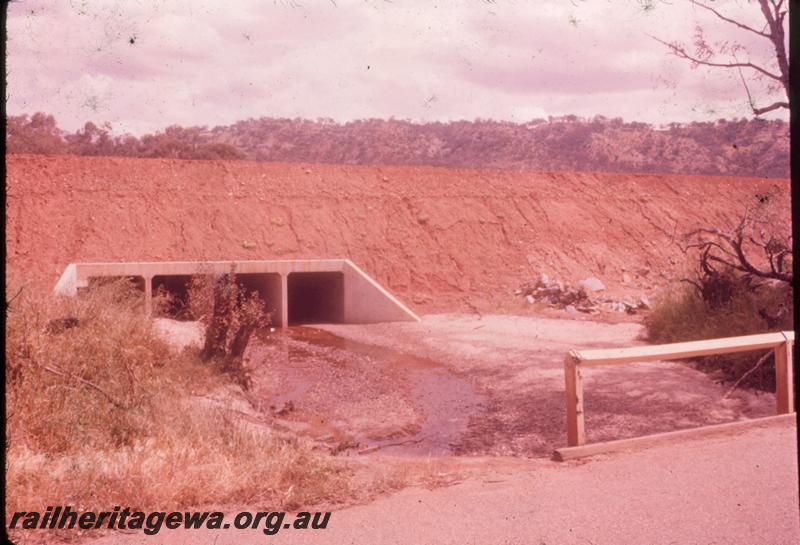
{"x":740,"y":147}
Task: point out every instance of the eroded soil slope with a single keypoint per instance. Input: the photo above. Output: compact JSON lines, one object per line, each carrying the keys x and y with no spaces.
{"x":441,"y":239}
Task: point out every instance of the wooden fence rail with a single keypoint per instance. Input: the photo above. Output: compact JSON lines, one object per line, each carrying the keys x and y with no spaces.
{"x":781,"y":343}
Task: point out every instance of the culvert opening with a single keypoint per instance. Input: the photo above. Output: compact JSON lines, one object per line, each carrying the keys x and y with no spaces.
{"x":177,"y":294}
{"x":268,"y":288}
{"x":172,"y":293}
{"x":315,"y":297}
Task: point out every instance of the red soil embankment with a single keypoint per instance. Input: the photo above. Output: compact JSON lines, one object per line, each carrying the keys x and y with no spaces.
{"x":441,"y":239}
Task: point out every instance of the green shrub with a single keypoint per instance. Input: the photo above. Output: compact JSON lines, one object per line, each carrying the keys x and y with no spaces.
{"x":683,"y":315}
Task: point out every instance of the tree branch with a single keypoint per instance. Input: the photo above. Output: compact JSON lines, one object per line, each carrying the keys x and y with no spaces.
{"x":750,"y":100}
{"x":681,"y":52}
{"x":728,"y":249}
{"x":776,"y":36}
{"x":774,"y":14}
{"x":752,"y":370}
{"x":771,"y":107}
{"x":729,"y":20}
{"x":9,"y":301}
{"x":109,"y":397}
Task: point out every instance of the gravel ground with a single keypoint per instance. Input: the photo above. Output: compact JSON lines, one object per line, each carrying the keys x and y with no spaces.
{"x":515,"y":364}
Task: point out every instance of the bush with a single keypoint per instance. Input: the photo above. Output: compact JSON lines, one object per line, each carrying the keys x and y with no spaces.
{"x":96,"y":376}
{"x":101,"y":412}
{"x":229,"y":312}
{"x":235,"y":314}
{"x":684,"y":315}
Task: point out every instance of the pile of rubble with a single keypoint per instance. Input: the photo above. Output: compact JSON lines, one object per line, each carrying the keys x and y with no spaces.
{"x":581,"y":298}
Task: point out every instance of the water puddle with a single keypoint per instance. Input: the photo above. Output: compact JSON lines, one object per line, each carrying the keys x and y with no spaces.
{"x":362,"y":397}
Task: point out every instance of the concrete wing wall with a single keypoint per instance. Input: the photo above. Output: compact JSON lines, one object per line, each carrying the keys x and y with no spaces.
{"x":365,"y":301}
{"x":68,"y":282}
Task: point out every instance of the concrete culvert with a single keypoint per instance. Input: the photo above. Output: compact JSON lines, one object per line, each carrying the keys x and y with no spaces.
{"x":315,"y":297}
{"x":175,"y":292}
{"x":268,"y":288}
{"x":318,"y":290}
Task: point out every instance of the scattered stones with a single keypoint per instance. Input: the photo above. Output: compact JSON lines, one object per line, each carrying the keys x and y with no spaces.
{"x":544,"y":280}
{"x":556,"y":294}
{"x":592,"y":284}
{"x":626,"y":278}
{"x":582,"y":298}
{"x":248,"y":245}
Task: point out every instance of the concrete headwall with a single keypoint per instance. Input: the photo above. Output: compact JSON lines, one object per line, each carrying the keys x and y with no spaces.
{"x":363,"y":299}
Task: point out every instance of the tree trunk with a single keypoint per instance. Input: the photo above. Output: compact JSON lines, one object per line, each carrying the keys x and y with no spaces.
{"x":217,"y":331}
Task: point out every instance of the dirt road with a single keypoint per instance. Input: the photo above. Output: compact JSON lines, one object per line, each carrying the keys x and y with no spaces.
{"x":739,"y":489}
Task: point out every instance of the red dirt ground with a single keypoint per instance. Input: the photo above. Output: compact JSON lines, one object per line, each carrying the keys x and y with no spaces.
{"x":440,"y":239}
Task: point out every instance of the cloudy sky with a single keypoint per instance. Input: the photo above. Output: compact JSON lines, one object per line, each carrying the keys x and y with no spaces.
{"x":144,"y":64}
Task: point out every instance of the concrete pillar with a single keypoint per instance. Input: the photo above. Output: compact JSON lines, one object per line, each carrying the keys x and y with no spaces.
{"x":148,"y":296}
{"x":284,"y":300}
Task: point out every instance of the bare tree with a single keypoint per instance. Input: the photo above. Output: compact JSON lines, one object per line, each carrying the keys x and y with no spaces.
{"x":748,"y":255}
{"x":727,"y":55}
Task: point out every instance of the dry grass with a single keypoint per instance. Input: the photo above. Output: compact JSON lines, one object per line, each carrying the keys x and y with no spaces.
{"x":102,"y":414}
{"x":390,"y":474}
{"x":684,"y":316}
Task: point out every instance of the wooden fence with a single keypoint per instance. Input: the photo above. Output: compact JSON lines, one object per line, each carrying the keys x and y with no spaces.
{"x":781,"y":343}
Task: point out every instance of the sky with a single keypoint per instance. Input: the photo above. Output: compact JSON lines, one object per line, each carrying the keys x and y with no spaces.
{"x":141,"y":65}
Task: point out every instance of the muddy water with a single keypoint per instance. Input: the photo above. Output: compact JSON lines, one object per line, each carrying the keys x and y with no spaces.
{"x":366,"y":398}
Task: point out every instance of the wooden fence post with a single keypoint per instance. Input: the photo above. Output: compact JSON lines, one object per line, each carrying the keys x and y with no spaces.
{"x":784,"y":395}
{"x":574,"y":399}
